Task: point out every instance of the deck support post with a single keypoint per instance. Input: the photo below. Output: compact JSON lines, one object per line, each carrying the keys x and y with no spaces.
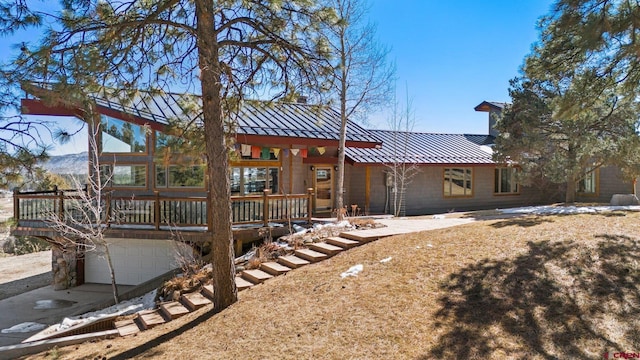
{"x":16,"y":205}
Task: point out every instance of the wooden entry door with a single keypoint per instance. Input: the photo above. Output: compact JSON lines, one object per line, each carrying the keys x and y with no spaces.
{"x":324,"y":188}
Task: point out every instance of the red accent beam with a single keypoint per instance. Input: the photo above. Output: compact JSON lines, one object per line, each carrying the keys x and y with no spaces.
{"x":288,"y":140}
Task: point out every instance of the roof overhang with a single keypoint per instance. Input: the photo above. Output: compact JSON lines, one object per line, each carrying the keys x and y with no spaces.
{"x":486,"y":106}
{"x":290,"y":140}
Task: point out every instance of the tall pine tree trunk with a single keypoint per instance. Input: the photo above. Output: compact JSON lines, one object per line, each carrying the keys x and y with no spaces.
{"x":224,"y":288}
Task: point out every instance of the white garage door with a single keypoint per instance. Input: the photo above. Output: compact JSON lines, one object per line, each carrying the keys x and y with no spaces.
{"x":135,"y":261}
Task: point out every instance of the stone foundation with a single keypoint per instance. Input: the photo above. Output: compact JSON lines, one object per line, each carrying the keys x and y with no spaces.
{"x":64,"y":266}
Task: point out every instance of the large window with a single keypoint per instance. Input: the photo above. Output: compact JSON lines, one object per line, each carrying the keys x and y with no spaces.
{"x":122,"y":137}
{"x":505,"y":181}
{"x":253,"y":180}
{"x":589,"y":183}
{"x":176,"y":176}
{"x":124,"y":175}
{"x":458,"y":182}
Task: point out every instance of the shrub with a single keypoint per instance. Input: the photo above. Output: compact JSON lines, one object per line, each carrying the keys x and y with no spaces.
{"x":21,"y":245}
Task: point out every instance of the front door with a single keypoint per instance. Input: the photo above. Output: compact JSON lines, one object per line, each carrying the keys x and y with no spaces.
{"x":324,"y":188}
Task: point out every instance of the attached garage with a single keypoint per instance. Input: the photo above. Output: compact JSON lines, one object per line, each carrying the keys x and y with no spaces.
{"x":134,"y":260}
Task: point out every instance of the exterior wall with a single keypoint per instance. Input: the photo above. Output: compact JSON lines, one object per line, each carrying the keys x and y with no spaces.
{"x":425,"y":192}
{"x":609,"y":182}
{"x":134,"y":260}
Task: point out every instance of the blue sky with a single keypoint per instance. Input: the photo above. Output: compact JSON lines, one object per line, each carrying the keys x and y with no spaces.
{"x":450,"y":55}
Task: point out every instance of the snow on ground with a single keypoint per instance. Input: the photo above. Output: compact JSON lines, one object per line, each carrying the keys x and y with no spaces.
{"x":353,"y":271}
{"x":24,"y":328}
{"x":145,"y":302}
{"x":566,"y":210}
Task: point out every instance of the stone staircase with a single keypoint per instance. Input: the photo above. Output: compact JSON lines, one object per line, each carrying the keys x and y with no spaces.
{"x":192,"y":301}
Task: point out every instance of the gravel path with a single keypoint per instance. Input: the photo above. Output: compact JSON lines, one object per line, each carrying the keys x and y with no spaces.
{"x":19,"y":274}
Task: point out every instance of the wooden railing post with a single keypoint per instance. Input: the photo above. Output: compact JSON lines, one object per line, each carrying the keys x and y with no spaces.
{"x":16,"y":205}
{"x":60,"y":203}
{"x":265,"y":207}
{"x":309,"y":204}
{"x":156,"y":210}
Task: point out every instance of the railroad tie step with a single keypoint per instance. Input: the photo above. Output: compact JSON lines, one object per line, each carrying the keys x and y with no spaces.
{"x":149,"y":319}
{"x":173,"y":310}
{"x":292,"y":261}
{"x":274,"y":268}
{"x":310,"y":255}
{"x":242,"y":284}
{"x":325,"y":248}
{"x":194,"y":301}
{"x":127,"y":327}
{"x":256,"y":276}
{"x":353,"y":235}
{"x":207,"y":291}
{"x":342,"y":242}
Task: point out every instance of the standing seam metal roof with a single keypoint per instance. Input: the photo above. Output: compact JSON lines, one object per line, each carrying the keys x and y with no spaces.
{"x":425,"y":148}
{"x":253,"y":118}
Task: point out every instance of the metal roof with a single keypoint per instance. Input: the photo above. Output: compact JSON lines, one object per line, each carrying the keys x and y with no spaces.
{"x":425,"y":148}
{"x":290,"y":120}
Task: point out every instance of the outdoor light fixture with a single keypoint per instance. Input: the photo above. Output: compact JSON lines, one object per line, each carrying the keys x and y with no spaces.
{"x":312,"y":168}
{"x":335,"y":168}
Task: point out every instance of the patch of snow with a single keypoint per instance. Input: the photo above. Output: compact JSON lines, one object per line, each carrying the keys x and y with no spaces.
{"x":386,"y":260}
{"x":341,"y":224}
{"x":418,"y":247}
{"x":439,"y":216}
{"x":353,"y":271}
{"x":145,"y":302}
{"x":24,"y":327}
{"x":429,"y":245}
{"x":486,"y":149}
{"x":564,"y":210}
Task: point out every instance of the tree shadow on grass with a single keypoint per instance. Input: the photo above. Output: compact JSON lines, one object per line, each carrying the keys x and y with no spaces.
{"x":528,"y":221}
{"x":559,"y":300}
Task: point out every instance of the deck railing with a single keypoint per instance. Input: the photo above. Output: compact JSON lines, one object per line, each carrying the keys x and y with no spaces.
{"x":157,"y":211}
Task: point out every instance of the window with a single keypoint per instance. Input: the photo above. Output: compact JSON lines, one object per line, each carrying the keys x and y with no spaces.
{"x":505,"y":181}
{"x":165,"y":142}
{"x":458,"y":182}
{"x":176,"y":176}
{"x":124,"y":175}
{"x":588,"y":184}
{"x":122,"y":137}
{"x":253,"y":180}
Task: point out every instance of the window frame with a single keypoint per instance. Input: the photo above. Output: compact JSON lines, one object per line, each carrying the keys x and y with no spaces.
{"x":241,"y":178}
{"x":146,"y":134}
{"x":110,"y":183}
{"x":168,"y":186}
{"x":595,"y":175}
{"x":497,"y":181}
{"x":466,"y":170}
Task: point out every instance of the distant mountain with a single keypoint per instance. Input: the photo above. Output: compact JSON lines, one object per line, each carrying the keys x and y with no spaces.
{"x":71,"y":164}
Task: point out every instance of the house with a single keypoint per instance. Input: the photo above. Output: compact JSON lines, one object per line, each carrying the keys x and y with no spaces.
{"x":282,"y":168}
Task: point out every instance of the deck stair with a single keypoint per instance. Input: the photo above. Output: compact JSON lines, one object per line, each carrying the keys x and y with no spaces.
{"x":342,"y":242}
{"x":242,"y":284}
{"x":256,"y":276}
{"x":292,"y":261}
{"x":274,"y":268}
{"x":310,"y":255}
{"x":194,"y":301}
{"x":151,"y":318}
{"x":325,"y":248}
{"x":173,"y":310}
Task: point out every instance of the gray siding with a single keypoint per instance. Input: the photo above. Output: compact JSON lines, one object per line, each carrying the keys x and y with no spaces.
{"x":425,"y":192}
{"x":609,"y":182}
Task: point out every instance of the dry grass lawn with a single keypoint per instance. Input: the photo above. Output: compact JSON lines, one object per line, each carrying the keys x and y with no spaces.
{"x":551,"y":287}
